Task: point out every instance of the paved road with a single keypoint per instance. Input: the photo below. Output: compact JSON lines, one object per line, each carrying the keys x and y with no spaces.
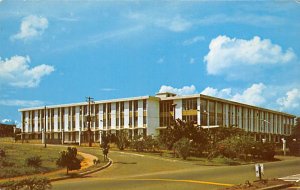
{"x":143,"y":172}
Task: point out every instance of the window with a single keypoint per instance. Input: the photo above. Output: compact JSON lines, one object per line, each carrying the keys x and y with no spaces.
{"x":203,"y":110}
{"x":144,"y":105}
{"x":212,"y":106}
{"x":219,"y":113}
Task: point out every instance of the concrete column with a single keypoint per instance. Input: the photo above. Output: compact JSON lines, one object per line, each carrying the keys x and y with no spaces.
{"x":62,"y":136}
{"x":79,"y":136}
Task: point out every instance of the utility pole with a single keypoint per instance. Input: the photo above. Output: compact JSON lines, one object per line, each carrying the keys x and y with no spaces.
{"x":45,"y":137}
{"x":89,"y":100}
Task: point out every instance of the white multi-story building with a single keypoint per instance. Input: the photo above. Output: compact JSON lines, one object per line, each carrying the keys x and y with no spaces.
{"x":147,"y":115}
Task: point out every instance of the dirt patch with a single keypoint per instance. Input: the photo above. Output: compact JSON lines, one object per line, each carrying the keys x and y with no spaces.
{"x":257,"y":184}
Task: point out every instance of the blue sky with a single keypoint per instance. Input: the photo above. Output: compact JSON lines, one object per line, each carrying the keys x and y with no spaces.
{"x":56,"y":52}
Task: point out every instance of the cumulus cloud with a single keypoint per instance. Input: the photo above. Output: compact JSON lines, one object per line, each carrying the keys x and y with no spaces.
{"x":9,"y":121}
{"x":290,"y":101}
{"x":253,"y":95}
{"x":179,"y":91}
{"x":31,"y":26}
{"x":232,"y":56}
{"x":22,"y":103}
{"x":193,"y":40}
{"x":223,"y":93}
{"x":16,"y":72}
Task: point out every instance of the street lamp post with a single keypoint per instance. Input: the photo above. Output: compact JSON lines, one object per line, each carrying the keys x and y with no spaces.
{"x":264,"y":129}
{"x":89,"y":99}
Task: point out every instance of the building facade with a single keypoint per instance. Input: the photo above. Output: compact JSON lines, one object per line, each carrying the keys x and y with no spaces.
{"x":147,"y":115}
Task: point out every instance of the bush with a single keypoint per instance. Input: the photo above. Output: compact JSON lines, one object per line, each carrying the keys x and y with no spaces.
{"x":34,"y":161}
{"x":35,"y":183}
{"x":268,"y":151}
{"x":122,"y":140}
{"x":138,"y":145}
{"x":69,"y":160}
{"x":2,"y":153}
{"x":183,"y":147}
{"x":294,"y":147}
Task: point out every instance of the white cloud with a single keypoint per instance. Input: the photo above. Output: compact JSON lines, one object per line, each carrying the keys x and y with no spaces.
{"x":31,"y":26}
{"x":22,"y":103}
{"x":171,"y":23}
{"x":290,"y":101}
{"x":234,"y":57}
{"x":16,"y":72}
{"x":193,"y":40}
{"x":9,"y":121}
{"x":179,"y":91}
{"x":223,"y":93}
{"x":176,"y":24}
{"x":253,"y":95}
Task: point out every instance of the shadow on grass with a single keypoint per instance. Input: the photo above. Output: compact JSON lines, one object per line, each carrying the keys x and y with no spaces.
{"x":125,"y":162}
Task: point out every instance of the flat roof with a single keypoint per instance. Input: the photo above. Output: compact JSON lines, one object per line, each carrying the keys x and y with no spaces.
{"x":96,"y":102}
{"x":162,"y":99}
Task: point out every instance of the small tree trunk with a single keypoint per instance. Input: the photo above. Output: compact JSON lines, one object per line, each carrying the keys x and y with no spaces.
{"x":67,"y":170}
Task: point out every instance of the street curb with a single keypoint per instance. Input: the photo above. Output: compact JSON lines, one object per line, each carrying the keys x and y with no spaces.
{"x":83,"y":173}
{"x":275,"y":187}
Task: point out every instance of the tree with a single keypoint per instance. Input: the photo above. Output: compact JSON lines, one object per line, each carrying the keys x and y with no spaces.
{"x":122,"y":140}
{"x":181,"y":129}
{"x":182,"y":147}
{"x":296,"y":130}
{"x":69,"y":160}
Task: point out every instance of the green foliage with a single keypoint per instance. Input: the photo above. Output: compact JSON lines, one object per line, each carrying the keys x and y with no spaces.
{"x":234,"y":146}
{"x":34,"y":161}
{"x":148,"y":144}
{"x":69,"y":160}
{"x":296,"y":130}
{"x":181,"y":129}
{"x":138,"y":144}
{"x":151,"y":144}
{"x":238,"y":146}
{"x":268,"y":151}
{"x":122,"y":140}
{"x":294,"y":147}
{"x":182,"y":147}
{"x":106,"y":138}
{"x":35,"y":183}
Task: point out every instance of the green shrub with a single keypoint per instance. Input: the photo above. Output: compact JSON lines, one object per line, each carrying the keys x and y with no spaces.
{"x":35,"y":183}
{"x":69,"y":160}
{"x":183,"y":147}
{"x":294,"y":147}
{"x":268,"y":151}
{"x":34,"y":161}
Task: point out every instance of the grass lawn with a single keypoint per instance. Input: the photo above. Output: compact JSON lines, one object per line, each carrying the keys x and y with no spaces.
{"x":14,"y":163}
{"x":217,"y":161}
